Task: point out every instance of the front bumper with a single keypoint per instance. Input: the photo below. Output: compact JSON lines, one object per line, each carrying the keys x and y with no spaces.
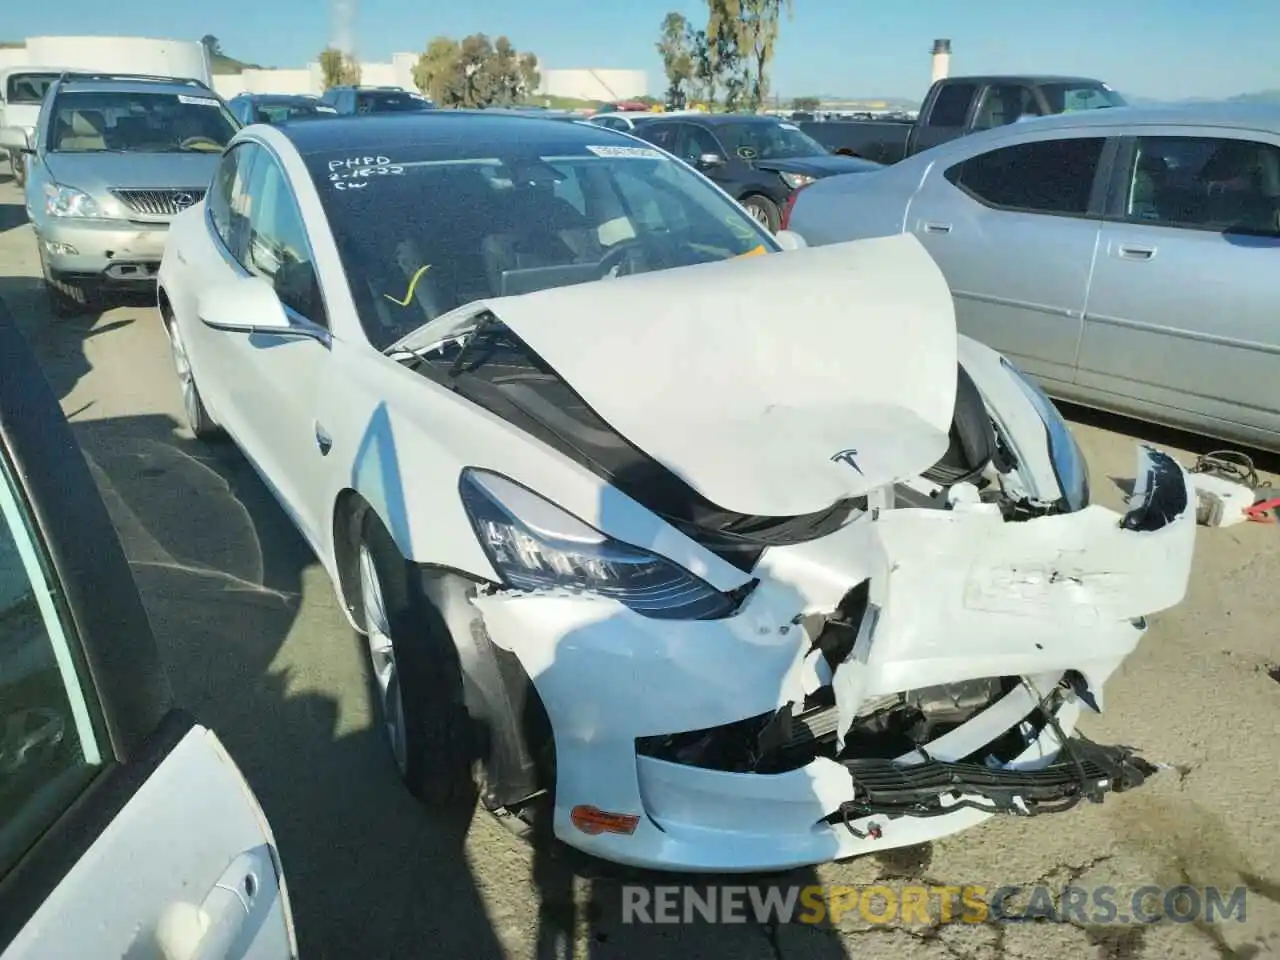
{"x":116,"y":252}
{"x":1042,"y":600}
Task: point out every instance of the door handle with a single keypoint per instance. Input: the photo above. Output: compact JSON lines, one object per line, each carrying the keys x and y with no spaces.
{"x":1129,"y":252}
{"x":208,"y":931}
{"x":324,"y":442}
{"x":930,"y":227}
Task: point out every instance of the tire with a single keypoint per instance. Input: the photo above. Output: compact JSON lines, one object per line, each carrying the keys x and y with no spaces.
{"x":972,"y":441}
{"x":763,"y":210}
{"x":201,"y":425}
{"x":417,"y":677}
{"x":66,"y":299}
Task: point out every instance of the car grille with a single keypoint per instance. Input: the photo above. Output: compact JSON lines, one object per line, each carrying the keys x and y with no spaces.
{"x":159,"y":203}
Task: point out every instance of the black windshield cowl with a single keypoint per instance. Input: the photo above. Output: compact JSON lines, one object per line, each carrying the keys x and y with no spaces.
{"x":495,"y":369}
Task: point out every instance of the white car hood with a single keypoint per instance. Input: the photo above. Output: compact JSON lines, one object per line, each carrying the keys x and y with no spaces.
{"x":772,"y":385}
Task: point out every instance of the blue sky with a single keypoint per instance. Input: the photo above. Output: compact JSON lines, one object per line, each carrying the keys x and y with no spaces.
{"x":1161,"y":48}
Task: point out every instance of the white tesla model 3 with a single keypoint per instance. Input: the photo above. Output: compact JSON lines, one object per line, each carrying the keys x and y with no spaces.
{"x":723,"y":553}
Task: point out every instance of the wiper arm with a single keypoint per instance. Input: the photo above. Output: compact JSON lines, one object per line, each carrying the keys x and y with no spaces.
{"x":483,"y":325}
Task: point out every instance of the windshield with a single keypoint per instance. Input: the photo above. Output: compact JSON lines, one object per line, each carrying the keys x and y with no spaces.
{"x":139,"y":123}
{"x":28,"y":87}
{"x":1073,"y":97}
{"x":391,"y":101}
{"x":423,"y":233}
{"x":756,"y":140}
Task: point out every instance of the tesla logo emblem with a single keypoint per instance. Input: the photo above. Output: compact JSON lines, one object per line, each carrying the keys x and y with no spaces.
{"x":183,"y":200}
{"x":847,"y":457}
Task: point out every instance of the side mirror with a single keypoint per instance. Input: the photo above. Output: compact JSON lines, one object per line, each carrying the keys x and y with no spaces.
{"x":15,"y":138}
{"x":790,"y":241}
{"x":243,"y":305}
{"x":710,"y":160}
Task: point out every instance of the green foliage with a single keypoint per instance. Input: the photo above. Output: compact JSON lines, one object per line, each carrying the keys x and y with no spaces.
{"x":675,"y":48}
{"x":338,"y":69}
{"x":476,"y":72}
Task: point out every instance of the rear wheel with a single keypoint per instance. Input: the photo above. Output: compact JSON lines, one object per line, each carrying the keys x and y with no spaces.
{"x":764,"y":210}
{"x":417,"y":677}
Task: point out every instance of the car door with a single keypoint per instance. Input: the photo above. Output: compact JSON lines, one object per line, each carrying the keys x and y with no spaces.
{"x":1014,"y":227}
{"x":126,"y":829}
{"x":1181,"y":319}
{"x":947,"y":118}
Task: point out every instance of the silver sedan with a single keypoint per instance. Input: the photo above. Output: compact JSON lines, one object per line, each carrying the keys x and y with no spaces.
{"x":1126,"y":258}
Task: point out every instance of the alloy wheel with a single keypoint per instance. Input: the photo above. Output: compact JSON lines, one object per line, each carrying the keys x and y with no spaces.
{"x":382,"y":658}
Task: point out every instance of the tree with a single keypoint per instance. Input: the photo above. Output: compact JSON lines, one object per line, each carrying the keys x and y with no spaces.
{"x":476,"y":72}
{"x":677,"y":57}
{"x":212,"y":44}
{"x":747,"y":30}
{"x":806,"y":104}
{"x":338,"y":69}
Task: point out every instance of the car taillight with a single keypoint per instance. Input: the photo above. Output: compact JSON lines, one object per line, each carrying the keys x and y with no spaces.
{"x":785,"y":224}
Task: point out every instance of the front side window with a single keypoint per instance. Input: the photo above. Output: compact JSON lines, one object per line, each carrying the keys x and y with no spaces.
{"x":28,"y":88}
{"x":1206,"y":183}
{"x":277,"y":248}
{"x":147,"y":122}
{"x":951,"y":107}
{"x":693,"y":142}
{"x":438,"y":226}
{"x":228,"y":199}
{"x":767,"y":141}
{"x":1045,"y":176}
{"x":49,"y":744}
{"x":1003,"y":105}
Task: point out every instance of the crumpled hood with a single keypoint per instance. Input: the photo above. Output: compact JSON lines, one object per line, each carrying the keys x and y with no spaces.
{"x":773,"y":386}
{"x":821,"y":165}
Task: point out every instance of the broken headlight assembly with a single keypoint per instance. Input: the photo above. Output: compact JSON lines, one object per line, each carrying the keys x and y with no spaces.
{"x":535,"y":545}
{"x":1069,"y":464}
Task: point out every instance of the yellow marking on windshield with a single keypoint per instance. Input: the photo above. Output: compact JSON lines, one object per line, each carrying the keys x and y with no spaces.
{"x":413,"y":285}
{"x":752,"y":253}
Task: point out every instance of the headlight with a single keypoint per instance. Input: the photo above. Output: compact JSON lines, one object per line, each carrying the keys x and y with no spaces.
{"x":535,"y":545}
{"x":796,"y":180}
{"x":1069,"y":464}
{"x":69,"y":202}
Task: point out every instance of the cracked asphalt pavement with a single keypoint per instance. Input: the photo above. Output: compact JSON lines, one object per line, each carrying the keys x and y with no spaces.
{"x":258,"y":648}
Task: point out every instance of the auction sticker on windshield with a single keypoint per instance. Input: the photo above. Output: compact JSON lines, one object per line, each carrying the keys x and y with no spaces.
{"x":198,"y":101}
{"x":613,"y":151}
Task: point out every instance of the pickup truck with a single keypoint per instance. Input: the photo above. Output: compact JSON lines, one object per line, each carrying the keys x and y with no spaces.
{"x":956,"y":106}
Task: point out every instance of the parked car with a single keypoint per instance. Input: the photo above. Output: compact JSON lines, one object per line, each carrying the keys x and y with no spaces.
{"x":277,"y":108}
{"x":757,"y":160}
{"x":112,"y":160}
{"x":358,"y":99}
{"x":628,"y":120}
{"x":21,"y":93}
{"x":126,"y":829}
{"x":1123,"y":257}
{"x":611,"y":529}
{"x":957,"y":106}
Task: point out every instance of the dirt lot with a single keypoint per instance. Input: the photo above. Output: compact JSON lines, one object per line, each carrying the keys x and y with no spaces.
{"x":259,"y":650}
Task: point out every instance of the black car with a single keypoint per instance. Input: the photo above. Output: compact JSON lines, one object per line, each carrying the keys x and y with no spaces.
{"x":758,"y":160}
{"x":346,"y":100}
{"x":277,"y":108}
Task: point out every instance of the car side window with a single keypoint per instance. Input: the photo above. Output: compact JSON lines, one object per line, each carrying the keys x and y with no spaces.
{"x":694,"y":142}
{"x":952,"y":105}
{"x":49,"y":729}
{"x":662,"y":135}
{"x":1004,"y":104}
{"x":228,"y":198}
{"x":1205,"y":183}
{"x":1044,"y":176}
{"x":277,"y":249}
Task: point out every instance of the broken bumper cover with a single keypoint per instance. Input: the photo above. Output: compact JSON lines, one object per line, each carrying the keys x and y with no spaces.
{"x":1033,"y":599}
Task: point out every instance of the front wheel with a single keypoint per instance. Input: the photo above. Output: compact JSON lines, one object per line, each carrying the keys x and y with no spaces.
{"x":417,"y":677}
{"x":199,"y":422}
{"x":764,"y":210}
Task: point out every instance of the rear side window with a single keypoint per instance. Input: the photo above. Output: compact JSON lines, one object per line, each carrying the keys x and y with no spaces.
{"x":952,"y":105}
{"x":1047,"y":176}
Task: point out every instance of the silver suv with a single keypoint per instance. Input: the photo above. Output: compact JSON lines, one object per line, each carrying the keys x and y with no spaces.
{"x":113,"y":159}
